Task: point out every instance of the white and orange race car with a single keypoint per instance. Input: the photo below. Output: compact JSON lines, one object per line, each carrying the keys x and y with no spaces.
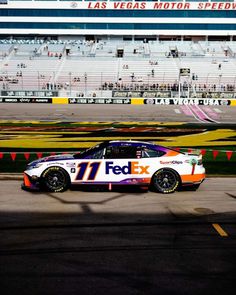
{"x":117,"y":163}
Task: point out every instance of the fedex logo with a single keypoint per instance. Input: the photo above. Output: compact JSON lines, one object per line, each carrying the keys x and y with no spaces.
{"x":130,"y":168}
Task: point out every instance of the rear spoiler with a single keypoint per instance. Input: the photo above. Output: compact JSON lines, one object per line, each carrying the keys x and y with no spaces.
{"x":194,"y":152}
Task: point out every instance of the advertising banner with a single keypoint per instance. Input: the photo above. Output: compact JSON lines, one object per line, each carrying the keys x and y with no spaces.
{"x":23,"y":93}
{"x":25,"y":100}
{"x":99,"y":101}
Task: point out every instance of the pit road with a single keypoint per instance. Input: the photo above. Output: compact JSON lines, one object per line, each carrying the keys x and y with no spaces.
{"x":123,"y":242}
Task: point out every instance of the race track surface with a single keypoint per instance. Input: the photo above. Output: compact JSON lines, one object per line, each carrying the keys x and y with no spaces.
{"x":155,"y":113}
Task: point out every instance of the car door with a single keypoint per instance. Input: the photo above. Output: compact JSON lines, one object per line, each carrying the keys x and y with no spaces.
{"x":89,"y":169}
{"x":115,"y":163}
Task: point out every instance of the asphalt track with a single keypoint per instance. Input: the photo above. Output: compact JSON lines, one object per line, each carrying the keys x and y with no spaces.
{"x":215,"y":197}
{"x":155,"y":113}
{"x":101,"y":242}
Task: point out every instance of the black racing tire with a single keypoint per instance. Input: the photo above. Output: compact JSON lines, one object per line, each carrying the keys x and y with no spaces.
{"x":165,"y":181}
{"x":55,"y":179}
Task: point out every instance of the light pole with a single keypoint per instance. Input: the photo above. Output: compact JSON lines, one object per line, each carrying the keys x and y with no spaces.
{"x":220,"y":76}
{"x":70,"y":82}
{"x":85,"y":82}
{"x":22,"y":82}
{"x":101,"y":83}
{"x":179,"y":86}
{"x":38,"y":82}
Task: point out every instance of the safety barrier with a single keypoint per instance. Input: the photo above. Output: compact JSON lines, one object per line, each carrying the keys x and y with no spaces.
{"x":133,"y":101}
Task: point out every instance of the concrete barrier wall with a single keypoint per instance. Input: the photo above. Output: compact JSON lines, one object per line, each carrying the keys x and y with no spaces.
{"x":132,"y":100}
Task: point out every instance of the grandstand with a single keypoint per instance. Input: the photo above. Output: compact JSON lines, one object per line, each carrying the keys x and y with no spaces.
{"x":100,"y":48}
{"x":49,"y":66}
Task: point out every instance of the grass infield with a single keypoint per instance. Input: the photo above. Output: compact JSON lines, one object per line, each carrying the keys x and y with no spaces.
{"x":45,"y":137}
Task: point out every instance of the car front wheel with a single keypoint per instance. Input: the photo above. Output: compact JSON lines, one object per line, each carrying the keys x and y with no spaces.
{"x":55,"y":179}
{"x":165,"y":181}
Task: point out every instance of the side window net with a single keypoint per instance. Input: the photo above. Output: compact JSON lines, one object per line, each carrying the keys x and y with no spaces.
{"x":121,"y":152}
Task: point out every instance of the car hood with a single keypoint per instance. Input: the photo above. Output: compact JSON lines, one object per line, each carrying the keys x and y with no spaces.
{"x":53,"y":158}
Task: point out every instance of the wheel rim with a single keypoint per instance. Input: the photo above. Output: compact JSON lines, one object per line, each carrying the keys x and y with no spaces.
{"x":166,"y":180}
{"x":55,"y":179}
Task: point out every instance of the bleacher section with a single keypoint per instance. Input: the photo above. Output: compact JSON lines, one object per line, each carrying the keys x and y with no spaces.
{"x":78,"y":67}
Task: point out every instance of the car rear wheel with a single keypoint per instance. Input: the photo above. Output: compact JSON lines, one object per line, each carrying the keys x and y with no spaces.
{"x":55,"y":179}
{"x":165,"y":181}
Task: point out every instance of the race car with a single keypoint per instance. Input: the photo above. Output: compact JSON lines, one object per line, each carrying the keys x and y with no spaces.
{"x":117,"y":163}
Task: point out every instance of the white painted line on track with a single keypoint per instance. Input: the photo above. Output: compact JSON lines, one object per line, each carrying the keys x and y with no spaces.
{"x":194,"y":115}
{"x":206,"y":115}
{"x":200,"y":115}
{"x":217,"y":110}
{"x":177,"y":111}
{"x":213,"y":115}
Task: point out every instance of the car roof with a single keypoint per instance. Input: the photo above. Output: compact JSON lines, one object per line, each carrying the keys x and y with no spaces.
{"x":131,"y":143}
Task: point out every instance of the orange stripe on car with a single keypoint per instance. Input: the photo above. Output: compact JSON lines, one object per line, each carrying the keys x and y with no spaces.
{"x":26,"y":180}
{"x":171,"y":153}
{"x":146,"y":180}
{"x":192,"y":178}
